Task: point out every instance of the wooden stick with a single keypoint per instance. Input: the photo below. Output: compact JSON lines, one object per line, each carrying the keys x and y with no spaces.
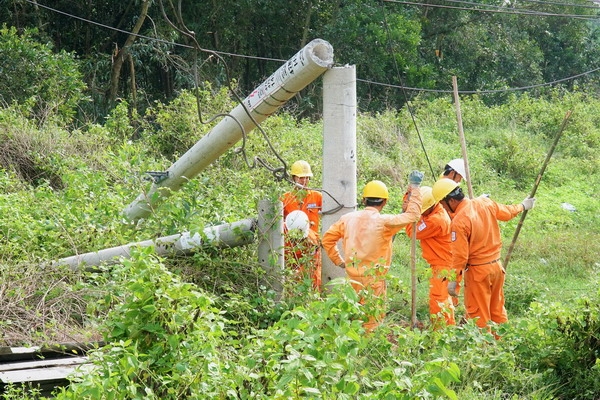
{"x":413,"y":275}
{"x":461,"y":134}
{"x":535,"y":186}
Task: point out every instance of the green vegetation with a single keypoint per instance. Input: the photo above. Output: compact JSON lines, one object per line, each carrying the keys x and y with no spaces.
{"x":44,"y":83}
{"x":209,"y":325}
{"x":143,"y":51}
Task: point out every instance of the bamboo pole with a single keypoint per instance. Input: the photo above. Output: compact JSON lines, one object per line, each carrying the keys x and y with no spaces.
{"x":413,"y":275}
{"x":461,"y":134}
{"x":535,"y":186}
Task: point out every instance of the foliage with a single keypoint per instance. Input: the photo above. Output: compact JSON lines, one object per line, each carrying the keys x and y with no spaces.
{"x":520,"y":291}
{"x":45,"y":84}
{"x":400,"y":50}
{"x":562,"y":344}
{"x":253,"y":343}
{"x":20,"y":392}
{"x":163,"y":339}
{"x":177,"y":126}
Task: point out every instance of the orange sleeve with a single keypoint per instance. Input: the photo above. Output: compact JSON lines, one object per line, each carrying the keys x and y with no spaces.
{"x":412,"y":212}
{"x":329,"y":242}
{"x":289,"y":203}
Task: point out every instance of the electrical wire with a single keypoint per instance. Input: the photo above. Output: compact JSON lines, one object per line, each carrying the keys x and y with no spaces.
{"x":507,"y":5}
{"x":278,"y":172}
{"x":497,"y":10}
{"x":592,"y":5}
{"x":406,"y":99}
{"x":221,"y":53}
{"x":482,"y":92}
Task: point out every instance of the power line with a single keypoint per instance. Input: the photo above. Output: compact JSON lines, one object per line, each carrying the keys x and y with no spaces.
{"x":485,"y":91}
{"x":497,"y":9}
{"x":592,"y":5}
{"x":144,"y":36}
{"x":38,"y":4}
{"x":507,"y":5}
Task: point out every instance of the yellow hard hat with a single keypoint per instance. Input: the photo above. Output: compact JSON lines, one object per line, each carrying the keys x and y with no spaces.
{"x":301,"y":169}
{"x":427,"y":200}
{"x":442,"y":188}
{"x":376,"y":189}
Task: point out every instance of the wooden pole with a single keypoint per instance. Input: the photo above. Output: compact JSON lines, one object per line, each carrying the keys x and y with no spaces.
{"x":413,"y":275}
{"x":535,"y":186}
{"x":461,"y":134}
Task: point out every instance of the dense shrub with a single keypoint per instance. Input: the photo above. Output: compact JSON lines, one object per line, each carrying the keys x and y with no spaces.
{"x":304,"y":343}
{"x":49,"y":85}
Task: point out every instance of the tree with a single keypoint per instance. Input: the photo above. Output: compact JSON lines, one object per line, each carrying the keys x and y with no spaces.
{"x":46,"y":84}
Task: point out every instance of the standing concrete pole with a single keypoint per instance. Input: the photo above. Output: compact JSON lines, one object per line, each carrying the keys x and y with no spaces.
{"x":293,"y":76}
{"x":339,"y":152}
{"x":270,"y":242}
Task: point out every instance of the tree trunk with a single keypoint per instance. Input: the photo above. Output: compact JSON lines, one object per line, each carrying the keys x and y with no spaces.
{"x":133,"y":83}
{"x":123,"y":52}
{"x":306,"y":27}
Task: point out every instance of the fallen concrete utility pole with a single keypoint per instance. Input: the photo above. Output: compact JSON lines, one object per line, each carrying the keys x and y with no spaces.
{"x":227,"y":235}
{"x":300,"y":70}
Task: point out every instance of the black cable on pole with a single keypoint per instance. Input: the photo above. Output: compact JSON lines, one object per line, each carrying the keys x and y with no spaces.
{"x":406,"y":99}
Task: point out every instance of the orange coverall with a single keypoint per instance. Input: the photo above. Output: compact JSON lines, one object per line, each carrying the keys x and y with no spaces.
{"x":476,"y":248}
{"x":433,"y":232}
{"x":310,"y":202}
{"x":304,"y":257}
{"x":366,"y":237}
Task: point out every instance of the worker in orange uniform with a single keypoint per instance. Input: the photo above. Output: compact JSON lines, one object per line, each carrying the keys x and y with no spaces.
{"x":366,"y":237}
{"x":302,"y":247}
{"x":310,"y":202}
{"x":455,"y":170}
{"x":433,"y":233}
{"x":476,"y":248}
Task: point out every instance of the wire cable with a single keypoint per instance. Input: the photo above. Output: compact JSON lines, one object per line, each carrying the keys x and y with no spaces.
{"x":498,"y":10}
{"x":406,"y":99}
{"x":221,"y":53}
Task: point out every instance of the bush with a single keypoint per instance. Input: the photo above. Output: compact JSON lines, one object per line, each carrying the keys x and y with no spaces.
{"x":562,"y":344}
{"x":164,"y":339}
{"x":49,"y":85}
{"x":520,"y":291}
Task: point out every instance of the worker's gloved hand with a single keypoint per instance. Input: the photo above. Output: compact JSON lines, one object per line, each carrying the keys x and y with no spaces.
{"x":415,"y":178}
{"x":452,"y":288}
{"x":342,"y":265}
{"x":528,"y":203}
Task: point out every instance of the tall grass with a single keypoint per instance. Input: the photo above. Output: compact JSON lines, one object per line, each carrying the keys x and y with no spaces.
{"x":551,"y":284}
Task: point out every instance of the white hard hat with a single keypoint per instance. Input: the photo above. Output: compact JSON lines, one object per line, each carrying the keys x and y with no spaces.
{"x":458,"y":164}
{"x":298,"y":220}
